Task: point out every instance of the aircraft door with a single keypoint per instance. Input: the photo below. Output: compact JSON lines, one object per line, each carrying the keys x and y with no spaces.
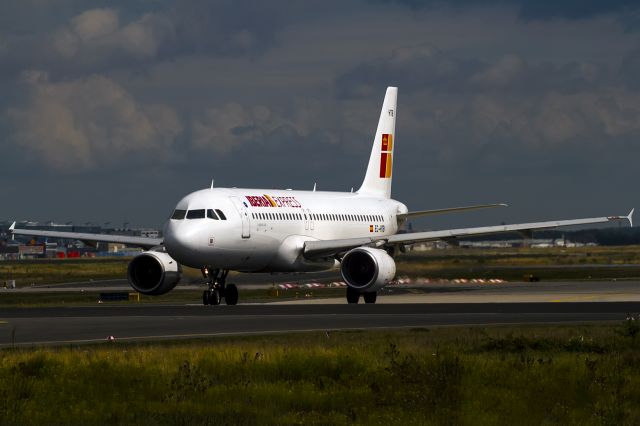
{"x":243,"y":210}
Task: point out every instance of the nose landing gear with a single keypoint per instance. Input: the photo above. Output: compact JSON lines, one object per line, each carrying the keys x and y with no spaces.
{"x":217,"y":288}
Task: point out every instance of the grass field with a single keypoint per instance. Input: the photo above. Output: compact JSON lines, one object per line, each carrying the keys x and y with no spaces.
{"x":513,"y":264}
{"x":51,"y":271}
{"x":482,"y":375}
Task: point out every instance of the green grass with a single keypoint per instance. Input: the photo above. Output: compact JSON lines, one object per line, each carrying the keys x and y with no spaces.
{"x":513,"y":264}
{"x":480,"y":375}
{"x":50,"y":271}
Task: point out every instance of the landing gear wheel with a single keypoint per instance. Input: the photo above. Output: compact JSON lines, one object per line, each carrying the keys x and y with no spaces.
{"x":216,"y":286}
{"x":215,"y":297}
{"x":370,"y":297}
{"x":231,"y":294}
{"x":353,"y":295}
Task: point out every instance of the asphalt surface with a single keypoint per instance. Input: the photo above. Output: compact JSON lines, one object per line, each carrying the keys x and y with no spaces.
{"x":72,"y":325}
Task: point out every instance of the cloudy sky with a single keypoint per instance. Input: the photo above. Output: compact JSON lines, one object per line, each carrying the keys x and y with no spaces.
{"x":112,"y":111}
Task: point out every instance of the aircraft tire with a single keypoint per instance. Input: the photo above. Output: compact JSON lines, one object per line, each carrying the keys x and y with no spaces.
{"x":231,"y":294}
{"x":370,"y":297}
{"x":205,"y":297}
{"x":353,"y":296}
{"x":215,"y":297}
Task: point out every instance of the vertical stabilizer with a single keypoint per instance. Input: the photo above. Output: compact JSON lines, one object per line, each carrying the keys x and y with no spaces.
{"x":377,"y":181}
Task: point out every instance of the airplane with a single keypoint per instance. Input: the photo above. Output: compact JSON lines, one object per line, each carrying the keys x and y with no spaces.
{"x":218,"y":230}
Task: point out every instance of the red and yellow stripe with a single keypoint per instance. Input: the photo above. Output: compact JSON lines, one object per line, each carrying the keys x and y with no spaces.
{"x":270,"y":200}
{"x":386,"y":162}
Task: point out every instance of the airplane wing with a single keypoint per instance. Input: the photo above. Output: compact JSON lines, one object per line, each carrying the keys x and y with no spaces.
{"x":143,"y":242}
{"x":449,"y":210}
{"x":313,"y":249}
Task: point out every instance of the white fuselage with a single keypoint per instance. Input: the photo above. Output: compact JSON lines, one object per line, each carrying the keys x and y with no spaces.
{"x":265,"y":230}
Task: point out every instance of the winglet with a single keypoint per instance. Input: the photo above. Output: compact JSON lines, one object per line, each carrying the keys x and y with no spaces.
{"x":12,"y":227}
{"x":630,"y":217}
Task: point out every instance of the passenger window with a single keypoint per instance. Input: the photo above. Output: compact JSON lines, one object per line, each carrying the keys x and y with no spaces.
{"x":211,"y":214}
{"x":195,"y":214}
{"x":178,"y":214}
{"x":222,"y":216}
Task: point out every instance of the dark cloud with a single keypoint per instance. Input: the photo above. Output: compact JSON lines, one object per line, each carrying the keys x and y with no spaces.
{"x":113,"y":36}
{"x":136,"y":103}
{"x":428,"y":68}
{"x":536,"y":9}
{"x":630,"y":69}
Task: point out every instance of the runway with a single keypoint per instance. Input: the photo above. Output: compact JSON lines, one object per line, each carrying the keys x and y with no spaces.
{"x":75,"y":325}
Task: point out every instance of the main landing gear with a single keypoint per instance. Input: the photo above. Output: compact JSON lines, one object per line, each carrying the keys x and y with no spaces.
{"x":353,"y":296}
{"x":217,"y":288}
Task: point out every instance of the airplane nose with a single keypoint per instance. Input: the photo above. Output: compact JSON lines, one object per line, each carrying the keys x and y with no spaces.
{"x":180,"y":238}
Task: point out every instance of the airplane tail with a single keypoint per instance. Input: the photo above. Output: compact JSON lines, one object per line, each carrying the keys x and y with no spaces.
{"x":377,"y":181}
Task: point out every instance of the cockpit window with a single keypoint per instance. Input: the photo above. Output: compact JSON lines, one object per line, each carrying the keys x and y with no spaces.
{"x":195,"y":214}
{"x":211,"y":214}
{"x":222,"y":216}
{"x":178,"y":214}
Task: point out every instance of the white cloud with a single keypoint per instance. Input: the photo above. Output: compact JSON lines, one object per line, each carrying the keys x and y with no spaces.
{"x":97,"y":34}
{"x":90,"y":122}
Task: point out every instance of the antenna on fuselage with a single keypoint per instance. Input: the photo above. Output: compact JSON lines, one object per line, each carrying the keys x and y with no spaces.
{"x":314,"y":187}
{"x":212,"y":183}
{"x":352,"y":189}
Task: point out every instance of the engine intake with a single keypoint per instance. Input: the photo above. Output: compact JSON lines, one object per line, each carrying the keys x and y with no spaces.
{"x":153,"y":273}
{"x":367,"y":269}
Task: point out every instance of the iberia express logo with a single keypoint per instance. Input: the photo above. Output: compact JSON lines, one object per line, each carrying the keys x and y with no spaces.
{"x":385,"y":156}
{"x":265,"y":200}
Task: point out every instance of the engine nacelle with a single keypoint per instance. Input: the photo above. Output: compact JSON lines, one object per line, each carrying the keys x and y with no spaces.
{"x":367,"y":269}
{"x":153,"y":273}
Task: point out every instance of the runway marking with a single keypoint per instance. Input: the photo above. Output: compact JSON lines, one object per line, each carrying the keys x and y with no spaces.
{"x":628,"y":297}
{"x":294,"y":331}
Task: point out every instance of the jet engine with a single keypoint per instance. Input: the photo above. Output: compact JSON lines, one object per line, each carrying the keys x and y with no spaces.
{"x":153,"y":273}
{"x":367,"y":269}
